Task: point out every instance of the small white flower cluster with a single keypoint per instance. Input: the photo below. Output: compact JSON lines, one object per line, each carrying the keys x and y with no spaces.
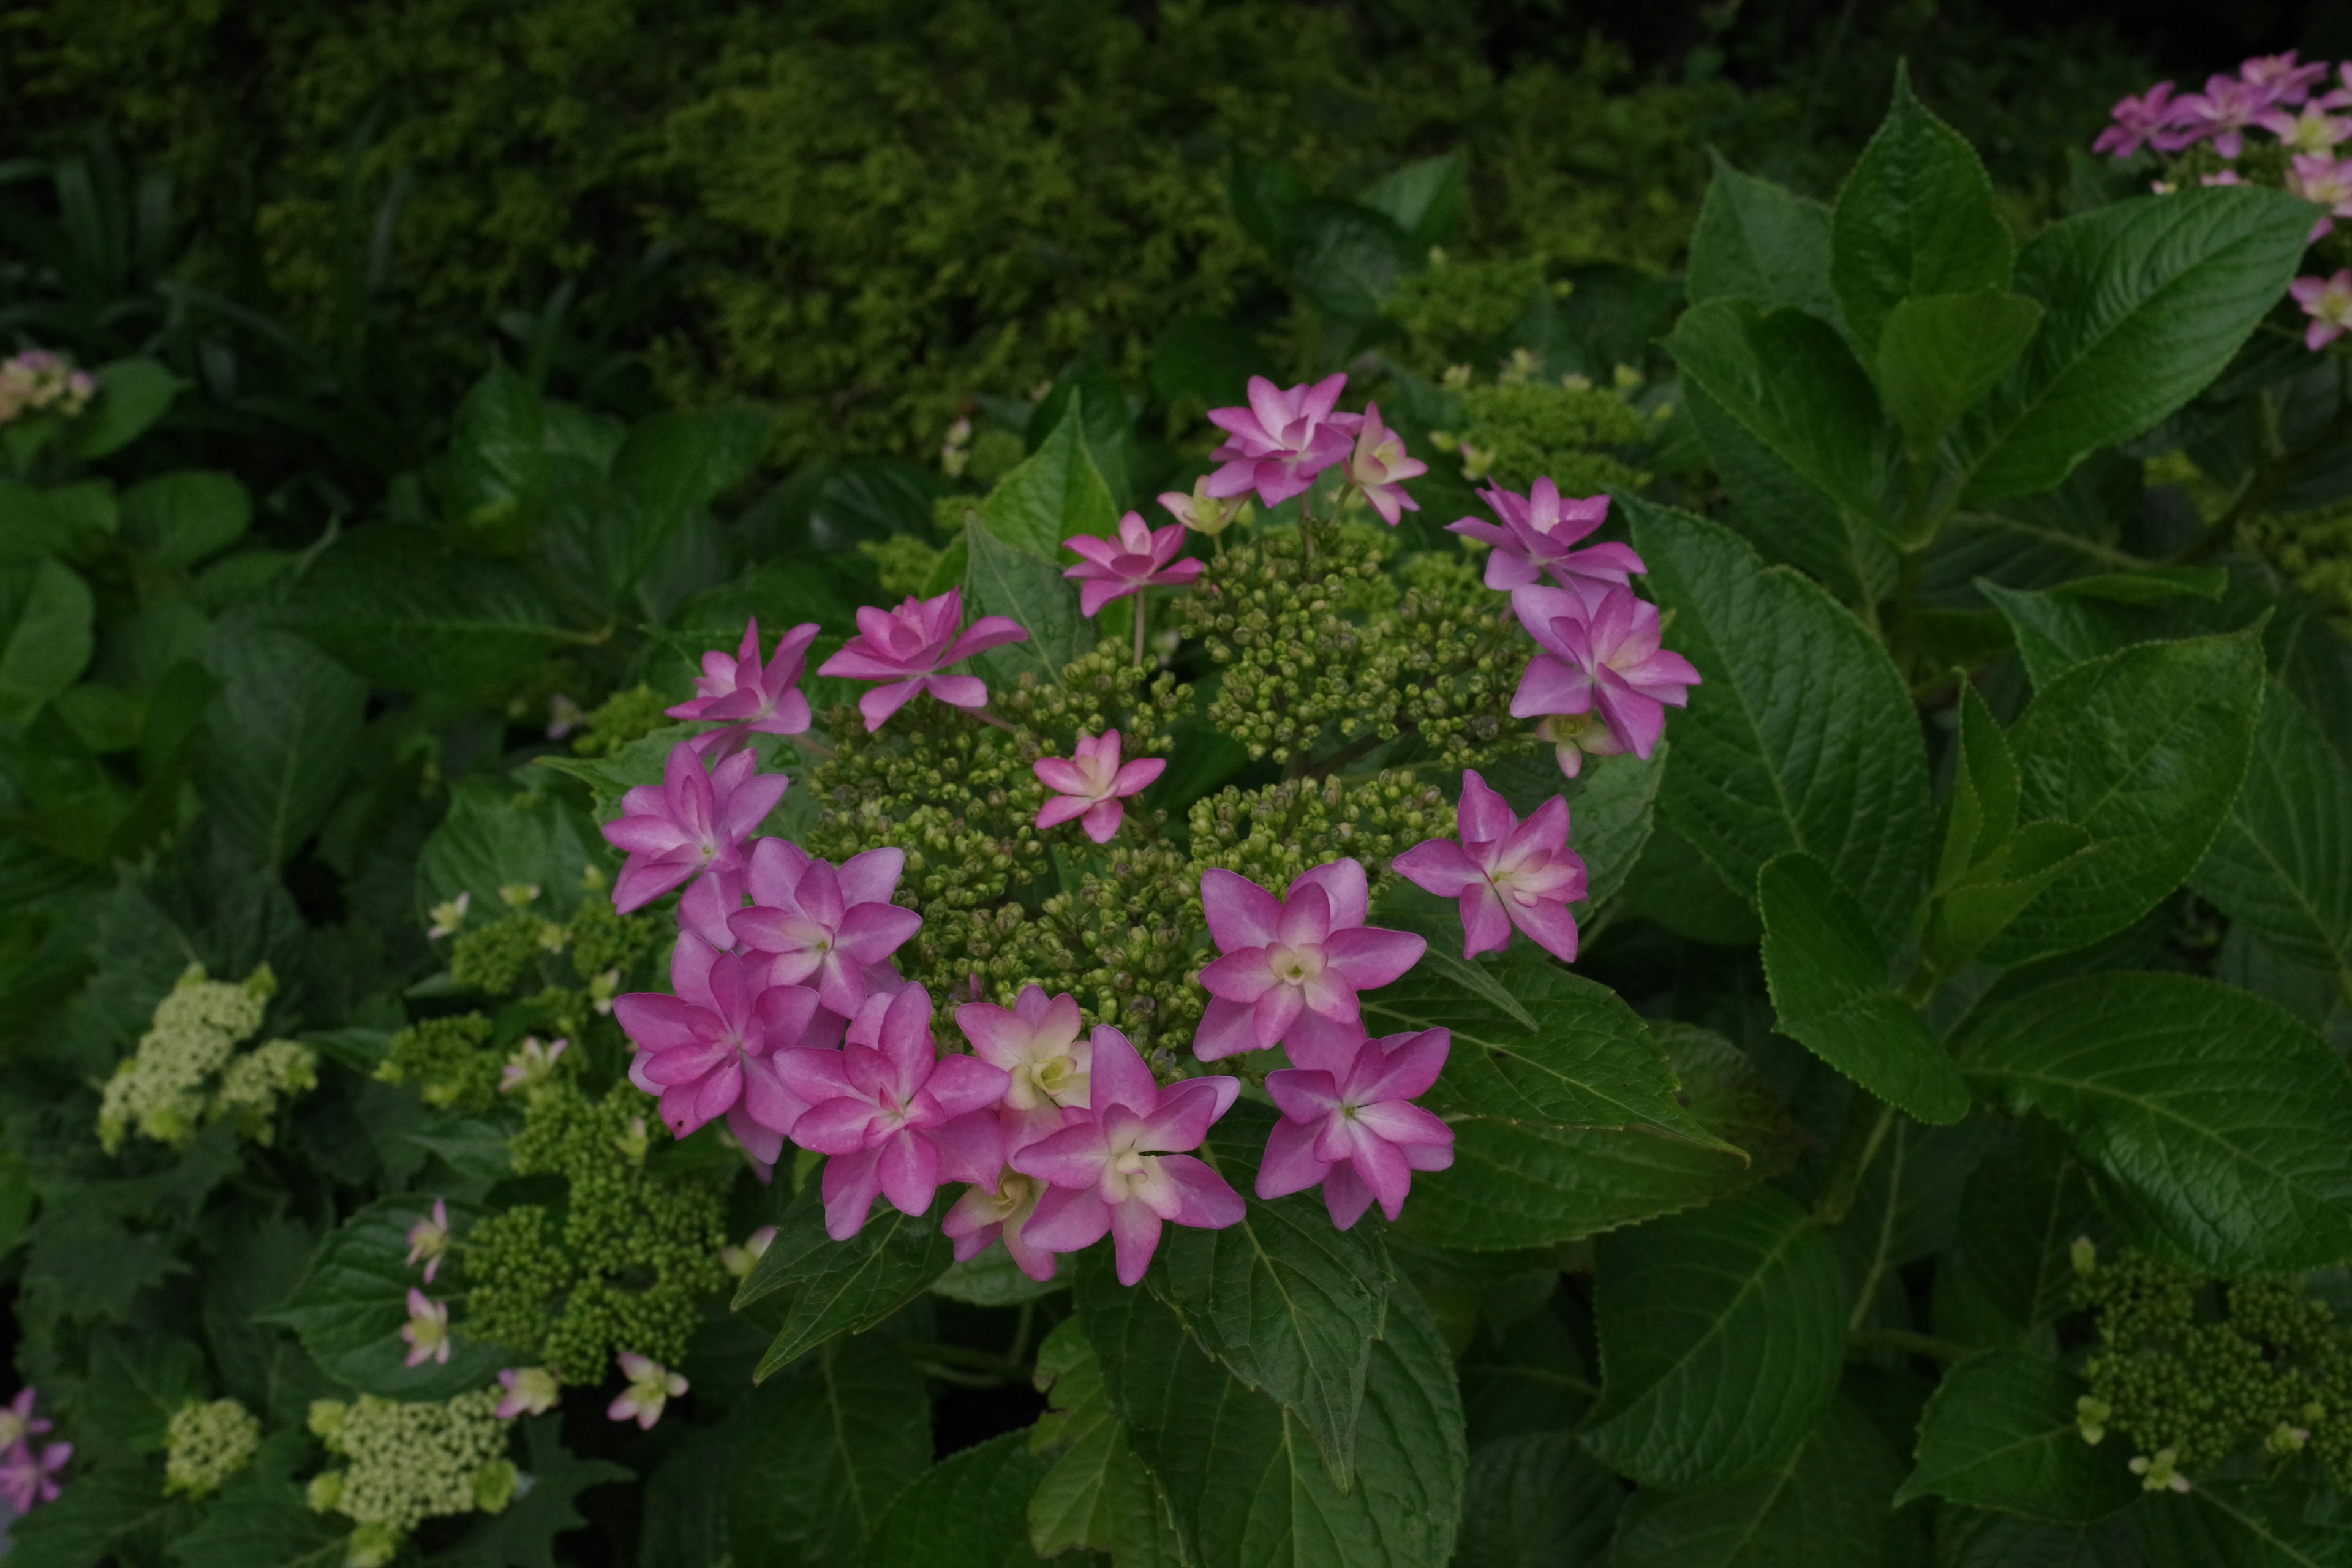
{"x":40,"y":382}
{"x":205,"y":1445}
{"x":408,"y":1463}
{"x":187,"y":1072}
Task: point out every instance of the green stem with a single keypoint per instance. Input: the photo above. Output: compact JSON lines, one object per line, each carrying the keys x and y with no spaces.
{"x":1140,"y":599}
{"x":1884,"y":1249}
{"x":1857,"y":1146}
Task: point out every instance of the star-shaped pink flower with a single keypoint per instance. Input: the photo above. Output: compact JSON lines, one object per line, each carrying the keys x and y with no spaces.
{"x":1141,"y":558}
{"x":1036,"y":1041}
{"x":2328,"y":302}
{"x":1127,"y":1167}
{"x":982,"y":1217}
{"x":1093,"y":783}
{"x":1504,"y":872}
{"x":1538,"y":533}
{"x":2222,"y":111}
{"x":2319,"y":178}
{"x":1379,"y":466}
{"x":1292,"y":967}
{"x":710,"y":1050}
{"x":2281,"y":78}
{"x":1350,"y":1126}
{"x":1600,"y":656}
{"x":2137,"y":121}
{"x":912,"y":647}
{"x":427,"y":1328}
{"x":1281,"y":440}
{"x":692,"y":822}
{"x":752,"y":699}
{"x":827,"y":927}
{"x":28,"y":1477}
{"x":428,"y":1240}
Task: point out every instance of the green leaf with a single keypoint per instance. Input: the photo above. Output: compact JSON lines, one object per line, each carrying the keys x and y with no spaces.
{"x":1347,"y":259}
{"x":816,"y":1454}
{"x":1802,"y":735}
{"x":675,"y":464}
{"x":1981,"y":814}
{"x":351,"y":1307}
{"x":2281,"y":864}
{"x":967,"y":1511}
{"x":50,"y":620}
{"x":1056,"y":491}
{"x":137,"y":1382}
{"x":2241,"y":1524}
{"x":2143,"y":750}
{"x":180,"y":519}
{"x":492,"y":482}
{"x":991,"y":1280}
{"x":1537,"y":1498}
{"x":2090,"y":617}
{"x":1827,"y":970}
{"x":132,"y":394}
{"x":1786,"y":517}
{"x":1288,"y":1303}
{"x":1241,"y":1474}
{"x":1939,"y":353}
{"x":1762,"y":242}
{"x":1915,"y":217}
{"x":1722,"y":1335}
{"x":841,"y":1287}
{"x":2147,"y":301}
{"x":1000,"y":580}
{"x":269,"y":1525}
{"x":522,"y":1534}
{"x":1098,"y":1494}
{"x":2025,"y":1203}
{"x":1823,"y":1505}
{"x":280,"y":737}
{"x":2001,"y":1433}
{"x":1425,"y":198}
{"x":2219,"y":1126}
{"x":95,"y":1517}
{"x":1977,"y":1538}
{"x":497,"y":837}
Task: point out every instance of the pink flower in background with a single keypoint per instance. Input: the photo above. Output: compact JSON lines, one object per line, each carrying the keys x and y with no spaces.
{"x":1141,"y":558}
{"x":1576,"y":736}
{"x":711,"y":1049}
{"x":17,"y":1421}
{"x":2222,"y":111}
{"x":1281,"y":440}
{"x":29,"y":1478}
{"x":2321,"y":178}
{"x":651,"y":1388}
{"x":982,"y":1217}
{"x":2137,"y":121}
{"x":897,"y":1118}
{"x":2280,"y":79}
{"x":2328,"y":302}
{"x":1037,"y":1043}
{"x":1292,"y":967}
{"x":1203,"y":513}
{"x":1092,"y":784}
{"x":428,"y":1240}
{"x":427,"y":1328}
{"x":529,"y":1391}
{"x":1127,"y":1168}
{"x":1538,"y":534}
{"x":690,"y":823}
{"x":2313,"y":130}
{"x":1603,"y":657}
{"x":1352,"y":1127}
{"x":534,"y":1063}
{"x":1504,"y":872}
{"x":1379,"y":467}
{"x":911,"y":647}
{"x":830,"y":928}
{"x":748,"y":698}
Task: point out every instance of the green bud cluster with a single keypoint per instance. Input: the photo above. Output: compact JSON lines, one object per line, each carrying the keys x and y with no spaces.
{"x":186,"y":1071}
{"x":624,"y":716}
{"x":1272,"y":834}
{"x":496,"y":958}
{"x":1450,"y":309}
{"x":904,"y":564}
{"x":1526,"y":429}
{"x":626,"y":1261}
{"x":2191,"y":1371}
{"x":206,"y":1444}
{"x":603,"y":939}
{"x":449,"y":1060}
{"x":406,"y":1463}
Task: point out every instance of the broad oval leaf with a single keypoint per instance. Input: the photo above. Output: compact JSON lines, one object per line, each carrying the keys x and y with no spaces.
{"x":281,"y":735}
{"x":1537,"y":1498}
{"x":1823,"y":1505}
{"x":48,"y":631}
{"x":2001,"y":1433}
{"x":1756,"y":240}
{"x":817,"y":1454}
{"x":1938,"y":353}
{"x":1055,"y":491}
{"x":351,"y":1307}
{"x":841,"y":1287}
{"x":1000,"y":580}
{"x":969,"y":1511}
{"x":2283,"y":862}
{"x":179,"y":518}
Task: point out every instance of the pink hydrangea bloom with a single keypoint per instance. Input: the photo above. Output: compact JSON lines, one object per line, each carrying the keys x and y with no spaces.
{"x":1036,"y":1041}
{"x":17,"y":1421}
{"x":2280,"y":79}
{"x":829,"y":928}
{"x":911,"y":647}
{"x":711,"y":1049}
{"x":895,"y":1117}
{"x":2318,"y":177}
{"x":651,"y":1388}
{"x":1093,"y":783}
{"x":1604,"y":656}
{"x":2328,"y":302}
{"x":428,"y":1240}
{"x":1281,"y":440}
{"x":692,"y":822}
{"x":1379,"y":466}
{"x":28,"y":1477}
{"x":1538,"y":533}
{"x":1350,"y":1125}
{"x":2137,"y":122}
{"x":1504,"y":872}
{"x":1292,"y":967}
{"x":1203,"y":513}
{"x":2312,"y":130}
{"x":982,"y":1217}
{"x":750,"y":698}
{"x":2222,"y":111}
{"x":1576,"y":736}
{"x":1141,"y":558}
{"x":529,"y":1391}
{"x":534,"y":1061}
{"x":1126,"y":1168}
{"x":427,"y":1328}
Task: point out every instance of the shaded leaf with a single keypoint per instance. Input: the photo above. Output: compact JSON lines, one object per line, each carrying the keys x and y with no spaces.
{"x":967,"y":1511}
{"x":845,"y":1286}
{"x":1823,"y":1505}
{"x":2001,"y":1433}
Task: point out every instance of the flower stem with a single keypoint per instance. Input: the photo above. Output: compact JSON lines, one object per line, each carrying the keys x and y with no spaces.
{"x":1140,"y":599}
{"x":1857,"y":1146}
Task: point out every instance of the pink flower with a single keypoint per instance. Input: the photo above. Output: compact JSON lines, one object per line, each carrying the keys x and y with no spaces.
{"x":651,"y":1387}
{"x":2328,"y":302}
{"x":690,"y":823}
{"x":897,"y":1118}
{"x":17,"y":1421}
{"x":1037,"y":1043}
{"x":829,"y":928}
{"x":1126,"y":1168}
{"x":29,"y":1478}
{"x":1092,"y":785}
{"x":529,"y":1391}
{"x":981,"y":1218}
{"x":1537,"y":532}
{"x":2280,"y":79}
{"x":2222,"y":111}
{"x":1604,"y":656}
{"x":1379,"y":466}
{"x":753,"y":700}
{"x":427,"y":1328}
{"x":1352,"y":1127}
{"x":711,"y":1049}
{"x":1504,"y":872}
{"x":2138,"y":120}
{"x":2317,"y":177}
{"x":1141,"y":559}
{"x":1203,"y":513}
{"x":1576,"y":736}
{"x":2313,"y":130}
{"x":911,"y":646}
{"x":428,"y":1240}
{"x":534,"y":1063}
{"x":1292,"y":967}
{"x":1278,"y":443}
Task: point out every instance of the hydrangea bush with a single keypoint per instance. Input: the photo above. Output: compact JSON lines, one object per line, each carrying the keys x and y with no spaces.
{"x":1390,"y":1005}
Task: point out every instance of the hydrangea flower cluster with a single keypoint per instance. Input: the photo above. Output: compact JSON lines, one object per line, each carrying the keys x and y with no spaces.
{"x":206,"y":1443}
{"x":187,"y":1072}
{"x":29,"y":1471}
{"x":2204,"y":138}
{"x":405,"y":1463}
{"x":883,"y":995}
{"x":40,"y":382}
